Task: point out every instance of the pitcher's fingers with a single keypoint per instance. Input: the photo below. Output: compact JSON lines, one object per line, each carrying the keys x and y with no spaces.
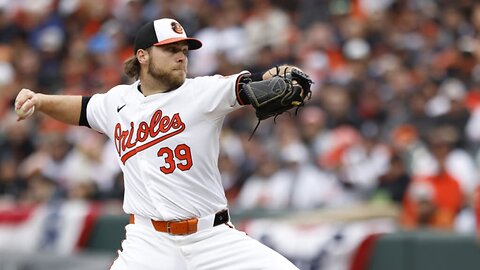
{"x":22,"y":97}
{"x":28,"y":105}
{"x":24,"y":111}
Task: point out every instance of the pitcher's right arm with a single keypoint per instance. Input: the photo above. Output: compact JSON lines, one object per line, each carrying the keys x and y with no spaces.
{"x":64,"y":108}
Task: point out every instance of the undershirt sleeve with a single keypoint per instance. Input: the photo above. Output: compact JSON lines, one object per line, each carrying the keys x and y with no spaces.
{"x":241,"y":95}
{"x":83,"y":112}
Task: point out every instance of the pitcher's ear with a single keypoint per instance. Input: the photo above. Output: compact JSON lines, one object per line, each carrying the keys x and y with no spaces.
{"x":142,"y":56}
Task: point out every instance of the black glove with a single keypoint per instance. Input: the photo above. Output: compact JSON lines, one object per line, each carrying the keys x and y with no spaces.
{"x":283,"y":91}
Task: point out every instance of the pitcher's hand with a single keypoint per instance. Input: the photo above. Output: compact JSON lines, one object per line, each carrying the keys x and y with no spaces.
{"x":24,"y":104}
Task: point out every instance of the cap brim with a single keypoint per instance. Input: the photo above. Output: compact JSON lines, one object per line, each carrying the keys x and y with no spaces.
{"x":192,"y":43}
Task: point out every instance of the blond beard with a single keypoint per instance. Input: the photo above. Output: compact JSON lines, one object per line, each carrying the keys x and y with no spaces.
{"x":168,"y":78}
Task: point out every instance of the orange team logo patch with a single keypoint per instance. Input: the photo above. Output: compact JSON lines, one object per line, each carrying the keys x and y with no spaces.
{"x":177,"y":28}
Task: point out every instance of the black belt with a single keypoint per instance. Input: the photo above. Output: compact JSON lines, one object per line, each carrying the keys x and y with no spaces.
{"x":221,"y":217}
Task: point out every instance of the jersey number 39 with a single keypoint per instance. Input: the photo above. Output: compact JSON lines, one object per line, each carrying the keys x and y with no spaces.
{"x":181,"y":153}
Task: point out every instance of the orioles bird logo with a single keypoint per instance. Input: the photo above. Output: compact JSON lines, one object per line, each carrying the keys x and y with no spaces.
{"x":177,"y":28}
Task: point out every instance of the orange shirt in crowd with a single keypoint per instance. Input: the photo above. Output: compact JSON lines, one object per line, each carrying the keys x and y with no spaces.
{"x":446,"y":198}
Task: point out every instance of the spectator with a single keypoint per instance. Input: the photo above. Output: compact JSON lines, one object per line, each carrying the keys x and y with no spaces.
{"x":362,"y":163}
{"x":434,"y":200}
{"x":12,"y":187}
{"x":392,"y":185}
{"x":313,"y":130}
{"x":223,"y":36}
{"x":297,"y":184}
{"x":266,"y":28}
{"x":264,"y":189}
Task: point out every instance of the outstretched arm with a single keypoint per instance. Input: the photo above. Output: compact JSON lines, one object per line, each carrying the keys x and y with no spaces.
{"x":64,"y":108}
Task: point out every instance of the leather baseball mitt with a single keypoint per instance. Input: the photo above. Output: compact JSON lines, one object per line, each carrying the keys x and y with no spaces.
{"x":285,"y":88}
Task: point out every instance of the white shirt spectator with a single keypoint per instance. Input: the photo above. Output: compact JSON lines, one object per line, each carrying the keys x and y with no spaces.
{"x":229,"y":40}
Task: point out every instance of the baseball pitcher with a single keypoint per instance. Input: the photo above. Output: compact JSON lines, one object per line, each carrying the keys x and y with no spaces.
{"x":166,"y":128}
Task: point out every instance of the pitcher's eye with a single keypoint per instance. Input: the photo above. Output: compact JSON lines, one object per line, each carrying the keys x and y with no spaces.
{"x":175,"y":49}
{"x":171,"y":49}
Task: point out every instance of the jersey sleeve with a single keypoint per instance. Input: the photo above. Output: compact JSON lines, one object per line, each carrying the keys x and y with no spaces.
{"x":219,"y":93}
{"x":96,"y":112}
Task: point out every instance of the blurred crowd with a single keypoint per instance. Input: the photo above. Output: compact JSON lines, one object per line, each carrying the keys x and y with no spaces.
{"x":394,"y":116}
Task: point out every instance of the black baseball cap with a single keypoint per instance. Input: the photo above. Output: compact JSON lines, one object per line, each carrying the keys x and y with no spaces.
{"x":161,"y":32}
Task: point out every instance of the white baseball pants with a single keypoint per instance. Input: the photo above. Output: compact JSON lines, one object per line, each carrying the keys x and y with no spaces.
{"x":217,"y":248}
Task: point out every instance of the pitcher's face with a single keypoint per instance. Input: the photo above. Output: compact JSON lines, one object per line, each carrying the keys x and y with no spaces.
{"x":168,"y":64}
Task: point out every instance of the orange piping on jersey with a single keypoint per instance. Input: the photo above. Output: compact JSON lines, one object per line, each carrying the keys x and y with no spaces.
{"x":237,"y":90}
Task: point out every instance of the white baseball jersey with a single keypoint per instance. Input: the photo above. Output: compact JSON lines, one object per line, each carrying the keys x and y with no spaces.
{"x":168,"y":144}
